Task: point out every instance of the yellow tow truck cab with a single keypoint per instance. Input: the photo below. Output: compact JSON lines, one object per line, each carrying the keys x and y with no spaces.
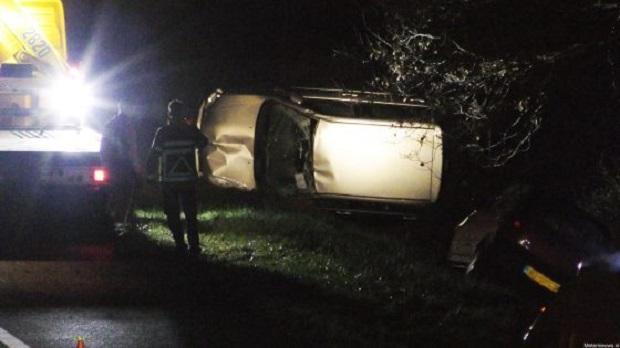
{"x":33,"y":32}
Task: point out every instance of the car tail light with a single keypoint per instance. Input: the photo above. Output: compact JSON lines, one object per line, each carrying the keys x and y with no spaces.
{"x":100,"y":175}
{"x":517,"y":224}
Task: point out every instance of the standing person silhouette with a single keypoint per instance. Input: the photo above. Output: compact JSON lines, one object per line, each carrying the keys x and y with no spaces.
{"x":175,"y":145}
{"x":119,"y":153}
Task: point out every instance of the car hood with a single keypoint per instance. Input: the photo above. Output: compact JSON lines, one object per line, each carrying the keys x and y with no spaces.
{"x":53,"y":140}
{"x":230,"y":125}
{"x":378,"y":160}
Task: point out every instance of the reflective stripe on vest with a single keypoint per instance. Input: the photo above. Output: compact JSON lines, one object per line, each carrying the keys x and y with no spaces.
{"x":178,"y":161}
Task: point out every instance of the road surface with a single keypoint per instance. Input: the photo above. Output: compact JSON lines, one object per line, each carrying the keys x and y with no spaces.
{"x":112,"y":303}
{"x":156,"y":301}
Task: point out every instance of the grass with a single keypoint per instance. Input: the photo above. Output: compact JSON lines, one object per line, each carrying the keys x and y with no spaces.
{"x":402,"y":293}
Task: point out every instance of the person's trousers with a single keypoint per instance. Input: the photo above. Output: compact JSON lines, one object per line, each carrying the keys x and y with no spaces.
{"x":176,"y":199}
{"x":122,"y":186}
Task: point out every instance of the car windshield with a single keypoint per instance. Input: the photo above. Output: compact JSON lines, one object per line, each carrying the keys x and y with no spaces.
{"x":367,"y":110}
{"x":286,"y":148}
{"x":574,"y":231}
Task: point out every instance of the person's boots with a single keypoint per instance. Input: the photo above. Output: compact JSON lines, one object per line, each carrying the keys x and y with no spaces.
{"x":194,"y":251}
{"x":180,"y":248}
{"x":194,"y":243}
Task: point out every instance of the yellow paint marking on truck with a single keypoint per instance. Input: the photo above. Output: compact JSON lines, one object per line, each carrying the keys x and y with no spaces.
{"x":33,"y":32}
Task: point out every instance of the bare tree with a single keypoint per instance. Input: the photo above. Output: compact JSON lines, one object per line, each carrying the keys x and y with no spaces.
{"x":494,"y":103}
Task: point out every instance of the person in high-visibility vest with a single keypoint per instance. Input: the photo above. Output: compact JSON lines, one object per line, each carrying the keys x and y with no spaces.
{"x":176,"y":144}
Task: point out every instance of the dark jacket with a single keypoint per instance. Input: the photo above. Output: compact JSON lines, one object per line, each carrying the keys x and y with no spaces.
{"x":118,"y":146}
{"x":176,"y":145}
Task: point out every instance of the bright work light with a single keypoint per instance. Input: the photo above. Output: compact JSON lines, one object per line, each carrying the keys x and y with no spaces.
{"x":70,"y":98}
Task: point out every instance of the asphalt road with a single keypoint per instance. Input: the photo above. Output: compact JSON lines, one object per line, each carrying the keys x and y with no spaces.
{"x":110,"y":303}
{"x":47,"y":299}
{"x":146,"y":302}
{"x":99,"y":326}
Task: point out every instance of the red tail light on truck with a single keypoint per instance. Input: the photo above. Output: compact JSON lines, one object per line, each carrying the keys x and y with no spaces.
{"x":100,"y":175}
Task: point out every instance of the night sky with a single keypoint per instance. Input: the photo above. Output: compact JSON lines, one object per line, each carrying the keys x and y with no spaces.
{"x":147,"y":52}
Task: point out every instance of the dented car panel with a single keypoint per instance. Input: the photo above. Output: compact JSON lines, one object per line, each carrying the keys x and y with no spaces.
{"x":377,"y":160}
{"x":230,"y":125}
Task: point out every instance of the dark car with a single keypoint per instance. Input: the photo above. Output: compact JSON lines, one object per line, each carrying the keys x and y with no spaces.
{"x":540,"y":244}
{"x":585,"y":313}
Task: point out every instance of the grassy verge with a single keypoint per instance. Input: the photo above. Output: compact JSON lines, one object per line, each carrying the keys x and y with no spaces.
{"x":404,"y":294}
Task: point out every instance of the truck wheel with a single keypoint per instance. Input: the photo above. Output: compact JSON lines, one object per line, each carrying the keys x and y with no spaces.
{"x":101,"y":220}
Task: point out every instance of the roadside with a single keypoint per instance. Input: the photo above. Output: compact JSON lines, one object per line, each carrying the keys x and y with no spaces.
{"x":270,"y":277}
{"x":392,"y":272}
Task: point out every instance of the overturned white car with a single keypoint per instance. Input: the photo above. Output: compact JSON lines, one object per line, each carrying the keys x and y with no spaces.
{"x":350,"y":151}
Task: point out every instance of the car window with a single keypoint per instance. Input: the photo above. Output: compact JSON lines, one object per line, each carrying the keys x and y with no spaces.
{"x":330,"y":107}
{"x":367,"y":110}
{"x":387,"y":111}
{"x":573,"y":230}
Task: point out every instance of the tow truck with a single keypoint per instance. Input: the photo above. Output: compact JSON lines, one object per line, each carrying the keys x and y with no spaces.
{"x":46,"y":149}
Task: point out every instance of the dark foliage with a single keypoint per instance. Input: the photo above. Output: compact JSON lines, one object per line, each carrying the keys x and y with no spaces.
{"x":531,"y":87}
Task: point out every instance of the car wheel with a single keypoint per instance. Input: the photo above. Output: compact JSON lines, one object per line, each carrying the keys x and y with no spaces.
{"x":101,"y":225}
